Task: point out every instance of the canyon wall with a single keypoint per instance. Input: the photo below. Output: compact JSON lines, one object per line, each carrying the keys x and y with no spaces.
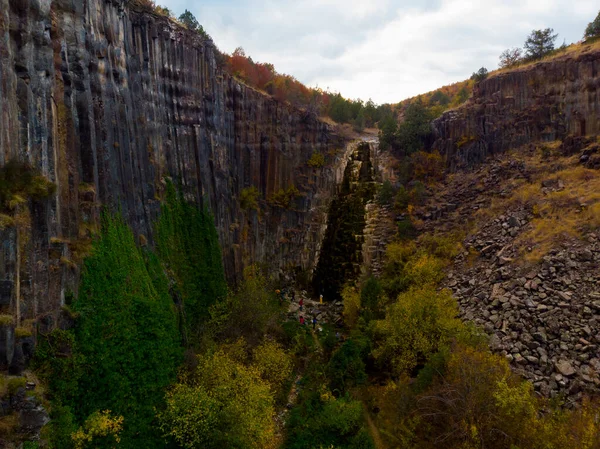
{"x":546,"y":101}
{"x":107,"y":101}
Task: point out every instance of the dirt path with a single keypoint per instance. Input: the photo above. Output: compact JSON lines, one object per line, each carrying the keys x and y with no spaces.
{"x":373,"y":429}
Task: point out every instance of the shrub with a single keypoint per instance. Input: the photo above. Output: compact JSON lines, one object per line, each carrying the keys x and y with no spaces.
{"x":371,"y":299}
{"x":249,"y":198}
{"x":100,"y":429}
{"x":510,"y":57}
{"x":385,"y":197}
{"x":283,"y":198}
{"x":14,"y":384}
{"x":317,"y":160}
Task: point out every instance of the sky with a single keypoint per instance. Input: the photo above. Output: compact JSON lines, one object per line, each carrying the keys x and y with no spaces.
{"x":386,"y":50}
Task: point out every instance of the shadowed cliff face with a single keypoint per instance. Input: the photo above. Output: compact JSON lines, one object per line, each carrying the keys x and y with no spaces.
{"x":543,"y":102}
{"x":106,"y":102}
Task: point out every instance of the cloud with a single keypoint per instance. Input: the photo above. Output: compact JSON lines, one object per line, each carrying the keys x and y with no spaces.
{"x":387,"y":50}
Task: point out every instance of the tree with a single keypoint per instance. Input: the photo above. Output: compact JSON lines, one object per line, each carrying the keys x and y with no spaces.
{"x":480,"y":75}
{"x":510,"y":57}
{"x":539,"y":43}
{"x":190,"y":21}
{"x":417,"y":326}
{"x":415,"y":129}
{"x":224,"y":404}
{"x":593,"y":28}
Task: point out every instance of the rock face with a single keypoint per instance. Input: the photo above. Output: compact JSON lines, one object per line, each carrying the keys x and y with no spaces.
{"x":542,"y":102}
{"x":107,"y":101}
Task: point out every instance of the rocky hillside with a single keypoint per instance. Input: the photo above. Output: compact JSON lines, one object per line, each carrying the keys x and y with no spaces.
{"x":544,"y":101}
{"x":105,"y":101}
{"x":528,"y":274}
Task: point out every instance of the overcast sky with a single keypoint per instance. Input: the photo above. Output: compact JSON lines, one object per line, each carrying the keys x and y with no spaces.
{"x":387,"y":50}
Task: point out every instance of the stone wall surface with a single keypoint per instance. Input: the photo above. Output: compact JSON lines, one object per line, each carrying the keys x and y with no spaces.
{"x":107,"y":101}
{"x":546,"y":101}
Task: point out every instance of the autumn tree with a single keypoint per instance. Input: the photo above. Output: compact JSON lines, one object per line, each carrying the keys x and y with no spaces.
{"x":539,"y":43}
{"x":593,"y":28}
{"x":416,"y":326}
{"x":223,"y":404}
{"x":510,"y":57}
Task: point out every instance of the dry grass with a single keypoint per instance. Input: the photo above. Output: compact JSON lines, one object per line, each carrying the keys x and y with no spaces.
{"x":566,"y":209}
{"x":572,"y":51}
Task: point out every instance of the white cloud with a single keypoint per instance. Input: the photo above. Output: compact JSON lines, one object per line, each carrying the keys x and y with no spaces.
{"x":387,"y":50}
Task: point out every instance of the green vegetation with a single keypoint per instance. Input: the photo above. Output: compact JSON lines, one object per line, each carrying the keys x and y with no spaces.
{"x":540,"y":43}
{"x":480,"y":75}
{"x":593,"y":28}
{"x":322,"y":421}
{"x":125,"y":348}
{"x":317,"y":160}
{"x":284,"y":197}
{"x":188,"y":247}
{"x":191,"y":23}
{"x":224,"y":403}
{"x":411,"y":135}
{"x":249,"y":198}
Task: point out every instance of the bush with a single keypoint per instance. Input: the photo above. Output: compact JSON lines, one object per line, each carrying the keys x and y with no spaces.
{"x":284,"y":198}
{"x":250,"y":312}
{"x":351,"y":299}
{"x":249,"y":198}
{"x":321,"y":420}
{"x":510,"y":57}
{"x":371,"y":299}
{"x":385,"y":197}
{"x":273,"y":364}
{"x":317,"y":160}
{"x":346,"y":368}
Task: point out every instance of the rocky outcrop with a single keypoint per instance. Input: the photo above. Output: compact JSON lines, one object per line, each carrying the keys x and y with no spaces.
{"x":107,"y":101}
{"x":545,"y":101}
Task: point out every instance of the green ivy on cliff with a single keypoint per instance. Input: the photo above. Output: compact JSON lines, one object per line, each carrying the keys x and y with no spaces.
{"x":127,"y":334}
{"x":125,"y":348}
{"x":188,"y":246}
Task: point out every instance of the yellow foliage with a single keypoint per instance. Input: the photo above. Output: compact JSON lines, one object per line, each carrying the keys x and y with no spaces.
{"x":273,"y":363}
{"x":415,"y":327}
{"x":99,"y":425}
{"x":424,"y":270}
{"x":351,"y":298}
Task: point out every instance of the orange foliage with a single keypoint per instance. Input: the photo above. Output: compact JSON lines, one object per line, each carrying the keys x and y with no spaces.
{"x":283,"y":87}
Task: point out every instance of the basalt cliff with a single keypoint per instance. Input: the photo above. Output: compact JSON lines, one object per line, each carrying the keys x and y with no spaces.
{"x":550,"y":100}
{"x":108,"y":102}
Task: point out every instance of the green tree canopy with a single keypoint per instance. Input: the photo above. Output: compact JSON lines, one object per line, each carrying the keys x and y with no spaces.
{"x":593,"y":28}
{"x":190,"y":21}
{"x":539,"y":43}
